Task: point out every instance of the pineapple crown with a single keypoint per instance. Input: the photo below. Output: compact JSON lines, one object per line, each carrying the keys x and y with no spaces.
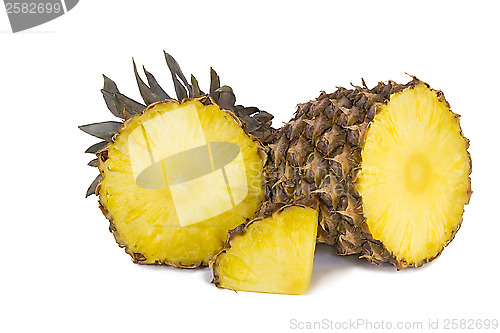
{"x":257,"y":122}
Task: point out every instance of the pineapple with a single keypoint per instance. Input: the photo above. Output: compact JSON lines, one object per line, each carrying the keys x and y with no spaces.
{"x":272,"y":254}
{"x":388,"y":168}
{"x":176,"y":175}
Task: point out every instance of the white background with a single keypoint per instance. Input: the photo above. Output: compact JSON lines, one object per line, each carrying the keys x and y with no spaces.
{"x":61,"y":269}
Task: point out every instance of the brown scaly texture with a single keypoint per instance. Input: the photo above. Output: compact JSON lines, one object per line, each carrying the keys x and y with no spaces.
{"x":316,"y":157}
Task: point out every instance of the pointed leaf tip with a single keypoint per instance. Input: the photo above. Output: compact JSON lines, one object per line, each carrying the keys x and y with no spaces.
{"x":147,"y":94}
{"x":105,"y":130}
{"x":93,"y":163}
{"x":110,"y":85}
{"x":196,"y":88}
{"x":214,"y":85}
{"x":96,"y":147}
{"x":92,"y":188}
{"x":181,"y":91}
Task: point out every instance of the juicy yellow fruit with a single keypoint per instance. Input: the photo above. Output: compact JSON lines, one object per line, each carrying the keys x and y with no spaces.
{"x":415,"y":175}
{"x":176,"y":179}
{"x":272,"y":255}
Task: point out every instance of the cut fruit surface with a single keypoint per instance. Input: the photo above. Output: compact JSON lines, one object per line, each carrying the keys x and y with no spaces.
{"x":272,"y":254}
{"x":176,"y":178}
{"x":415,"y":175}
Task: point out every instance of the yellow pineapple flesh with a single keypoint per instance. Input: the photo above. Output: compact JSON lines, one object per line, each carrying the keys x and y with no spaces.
{"x":176,"y":178}
{"x":414,"y":179}
{"x":272,"y":254}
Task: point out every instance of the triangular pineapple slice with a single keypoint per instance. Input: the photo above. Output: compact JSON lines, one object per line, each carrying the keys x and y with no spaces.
{"x":272,"y":254}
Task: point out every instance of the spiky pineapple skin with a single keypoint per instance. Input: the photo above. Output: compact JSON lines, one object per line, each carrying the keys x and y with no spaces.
{"x":316,"y":157}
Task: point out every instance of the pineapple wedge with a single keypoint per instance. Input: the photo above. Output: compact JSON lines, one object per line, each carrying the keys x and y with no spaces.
{"x":273,"y":254}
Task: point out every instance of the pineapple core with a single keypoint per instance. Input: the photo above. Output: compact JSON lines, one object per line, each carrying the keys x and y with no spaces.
{"x":272,"y":255}
{"x":414,"y":179}
{"x":177,"y":178}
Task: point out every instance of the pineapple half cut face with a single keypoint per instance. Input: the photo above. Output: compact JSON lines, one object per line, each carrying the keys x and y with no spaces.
{"x":177,"y":178}
{"x":415,"y":175}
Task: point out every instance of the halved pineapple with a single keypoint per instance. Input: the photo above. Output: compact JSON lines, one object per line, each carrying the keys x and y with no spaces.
{"x":388,"y":168}
{"x":176,"y":178}
{"x":272,"y":254}
{"x":414,"y":179}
